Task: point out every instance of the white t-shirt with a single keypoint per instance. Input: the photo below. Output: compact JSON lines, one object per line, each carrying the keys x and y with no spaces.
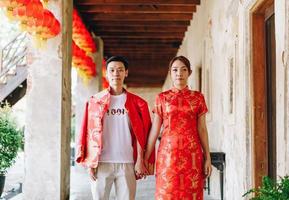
{"x":117,"y":142}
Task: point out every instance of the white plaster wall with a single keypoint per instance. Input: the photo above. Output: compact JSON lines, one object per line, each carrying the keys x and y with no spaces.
{"x":282,"y":48}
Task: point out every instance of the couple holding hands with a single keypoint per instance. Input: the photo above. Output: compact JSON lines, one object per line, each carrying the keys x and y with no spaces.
{"x":117,"y":139}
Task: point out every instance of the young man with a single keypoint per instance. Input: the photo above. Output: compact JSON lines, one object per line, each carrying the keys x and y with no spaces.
{"x":113,"y":136}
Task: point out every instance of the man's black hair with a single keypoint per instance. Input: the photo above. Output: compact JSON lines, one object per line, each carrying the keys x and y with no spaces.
{"x":118,"y":59}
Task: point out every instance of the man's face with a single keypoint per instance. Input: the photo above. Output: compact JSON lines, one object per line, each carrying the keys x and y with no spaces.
{"x":116,"y":73}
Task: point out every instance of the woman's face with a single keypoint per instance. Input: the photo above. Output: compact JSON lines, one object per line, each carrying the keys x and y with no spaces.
{"x":179,"y":73}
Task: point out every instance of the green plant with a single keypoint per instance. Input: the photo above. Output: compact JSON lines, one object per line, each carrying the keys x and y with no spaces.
{"x":10,"y":139}
{"x":271,"y":190}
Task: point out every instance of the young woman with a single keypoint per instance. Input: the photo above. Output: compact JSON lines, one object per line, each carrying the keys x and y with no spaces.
{"x":183,"y":159}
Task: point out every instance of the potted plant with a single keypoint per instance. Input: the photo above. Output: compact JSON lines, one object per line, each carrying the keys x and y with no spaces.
{"x":270,"y":190}
{"x":10,"y":142}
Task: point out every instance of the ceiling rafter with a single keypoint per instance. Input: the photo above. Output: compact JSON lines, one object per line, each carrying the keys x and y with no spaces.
{"x":109,"y":9}
{"x":140,"y":16}
{"x":139,"y":2}
{"x":147,"y":32}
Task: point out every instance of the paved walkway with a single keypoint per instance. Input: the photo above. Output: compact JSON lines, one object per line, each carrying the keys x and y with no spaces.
{"x":80,"y":184}
{"x":80,"y":187}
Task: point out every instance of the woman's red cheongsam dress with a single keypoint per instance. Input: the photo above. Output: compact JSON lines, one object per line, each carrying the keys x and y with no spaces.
{"x":179,"y":167}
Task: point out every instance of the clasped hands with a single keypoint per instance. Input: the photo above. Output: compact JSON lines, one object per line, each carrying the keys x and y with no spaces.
{"x":140,"y":170}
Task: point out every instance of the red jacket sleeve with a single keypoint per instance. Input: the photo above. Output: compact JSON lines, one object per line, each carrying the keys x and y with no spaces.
{"x":81,"y":145}
{"x":147,"y":126}
{"x":146,"y":118}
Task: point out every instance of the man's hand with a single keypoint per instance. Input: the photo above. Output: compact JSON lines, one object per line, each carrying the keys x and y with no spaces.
{"x":140,"y":169}
{"x":92,"y":173}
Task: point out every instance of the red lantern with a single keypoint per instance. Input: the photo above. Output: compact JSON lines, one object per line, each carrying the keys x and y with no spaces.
{"x":83,"y":62}
{"x":80,"y":34}
{"x":28,"y":15}
{"x":12,"y":4}
{"x":4,"y":3}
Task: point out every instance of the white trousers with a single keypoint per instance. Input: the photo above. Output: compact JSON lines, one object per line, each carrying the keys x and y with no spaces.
{"x":123,"y":177}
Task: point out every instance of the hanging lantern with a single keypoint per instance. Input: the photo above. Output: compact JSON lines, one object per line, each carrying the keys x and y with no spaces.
{"x":83,"y":62}
{"x":36,"y":20}
{"x":50,"y":27}
{"x":12,"y":4}
{"x":80,"y":34}
{"x":28,"y":14}
{"x":4,"y":3}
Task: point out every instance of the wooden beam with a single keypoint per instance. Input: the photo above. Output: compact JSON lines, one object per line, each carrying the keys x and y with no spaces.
{"x":144,"y":81}
{"x":158,"y":61}
{"x":137,"y":2}
{"x":116,"y":45}
{"x":147,"y":62}
{"x":141,"y":51}
{"x":137,"y":23}
{"x":147,"y":79}
{"x":133,"y":42}
{"x":142,"y":17}
{"x":140,"y":29}
{"x":143,"y":46}
{"x":142,"y":34}
{"x":139,"y":58}
{"x":137,"y":8}
{"x":153,"y":64}
{"x":148,"y":51}
{"x":141,"y":37}
{"x":144,"y":84}
{"x":147,"y":55}
{"x":145,"y":71}
{"x":137,"y":48}
{"x":142,"y":40}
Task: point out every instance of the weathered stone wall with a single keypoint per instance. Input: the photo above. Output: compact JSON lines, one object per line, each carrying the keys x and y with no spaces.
{"x":282,"y":93}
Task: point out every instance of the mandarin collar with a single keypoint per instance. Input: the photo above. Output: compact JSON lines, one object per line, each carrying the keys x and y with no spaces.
{"x":109,"y":90}
{"x":182,"y":91}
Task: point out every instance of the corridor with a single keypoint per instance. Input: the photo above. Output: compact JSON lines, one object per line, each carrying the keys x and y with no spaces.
{"x":239,"y":61}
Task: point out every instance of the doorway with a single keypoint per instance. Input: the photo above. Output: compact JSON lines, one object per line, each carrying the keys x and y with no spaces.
{"x":264,"y":91}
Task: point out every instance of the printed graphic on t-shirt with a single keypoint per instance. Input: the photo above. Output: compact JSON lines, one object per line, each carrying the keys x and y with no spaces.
{"x":116,"y":111}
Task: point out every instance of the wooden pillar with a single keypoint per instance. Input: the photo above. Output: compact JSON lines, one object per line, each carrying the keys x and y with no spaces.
{"x":99,"y":58}
{"x":47,"y":131}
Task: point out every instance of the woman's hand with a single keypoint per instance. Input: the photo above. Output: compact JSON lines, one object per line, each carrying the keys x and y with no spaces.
{"x":92,"y":173}
{"x":207,"y":168}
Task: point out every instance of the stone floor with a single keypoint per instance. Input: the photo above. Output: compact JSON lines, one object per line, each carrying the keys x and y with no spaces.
{"x":80,"y":184}
{"x":80,"y":187}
